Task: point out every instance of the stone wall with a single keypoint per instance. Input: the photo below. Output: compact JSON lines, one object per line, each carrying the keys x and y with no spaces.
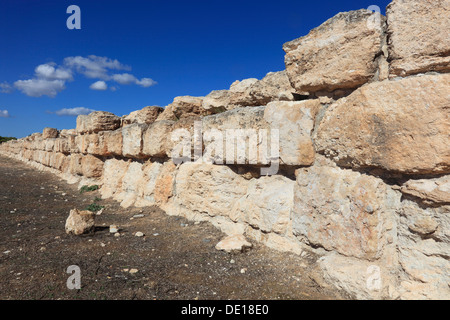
{"x":361,"y":172}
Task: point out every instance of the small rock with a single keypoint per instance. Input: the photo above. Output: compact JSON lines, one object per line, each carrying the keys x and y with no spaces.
{"x":138,"y":216}
{"x":133,"y":271}
{"x":79,"y":222}
{"x":113,"y":229}
{"x":117,"y":234}
{"x":139,"y":234}
{"x":243,"y":270}
{"x":234,"y":243}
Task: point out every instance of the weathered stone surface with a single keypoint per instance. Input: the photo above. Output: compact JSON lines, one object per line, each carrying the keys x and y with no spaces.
{"x":165,"y":183}
{"x":419,"y":37}
{"x":430,"y":190}
{"x":92,"y":167}
{"x":343,"y":210}
{"x":75,"y":167}
{"x":275,"y":86}
{"x":267,"y":205}
{"x":50,"y":133}
{"x":132,"y":137}
{"x":197,"y":182}
{"x":295,"y":122}
{"x":130,"y":185}
{"x":113,"y":141}
{"x":423,"y":245}
{"x":234,"y":243}
{"x":114,"y":171}
{"x":157,"y":139}
{"x":338,"y":54}
{"x":232,"y":137}
{"x":147,"y":188}
{"x":80,"y":222}
{"x":147,"y":115}
{"x":184,"y":107}
{"x":384,"y":125}
{"x":218,"y":101}
{"x":358,"y":278}
{"x":97,"y":121}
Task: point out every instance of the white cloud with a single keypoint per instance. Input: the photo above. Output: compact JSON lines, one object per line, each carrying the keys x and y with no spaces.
{"x":124,"y":78}
{"x":5,"y":87}
{"x":73,"y":111}
{"x":49,"y":72}
{"x":40,"y":87}
{"x":50,"y":79}
{"x":94,"y":66}
{"x":146,"y":82}
{"x":99,"y":85}
{"x":4,"y":114}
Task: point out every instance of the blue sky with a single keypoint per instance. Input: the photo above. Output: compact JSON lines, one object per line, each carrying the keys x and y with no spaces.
{"x":135,"y":53}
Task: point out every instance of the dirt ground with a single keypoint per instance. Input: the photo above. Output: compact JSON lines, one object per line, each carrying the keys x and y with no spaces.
{"x":176,"y":259}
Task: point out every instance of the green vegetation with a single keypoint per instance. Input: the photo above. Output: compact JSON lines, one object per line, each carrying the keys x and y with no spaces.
{"x":94,"y":207}
{"x":5,"y":139}
{"x":88,"y":188}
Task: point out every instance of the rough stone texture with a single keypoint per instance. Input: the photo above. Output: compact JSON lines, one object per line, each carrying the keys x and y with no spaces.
{"x":295,"y":122}
{"x":338,"y":54}
{"x":424,"y":244}
{"x":267,"y":204}
{"x":430,"y":190}
{"x":147,"y":188}
{"x":239,"y":123}
{"x":80,"y":222}
{"x":234,"y":243}
{"x":197,"y":182}
{"x":275,"y":86}
{"x":157,"y":139}
{"x":147,"y":115}
{"x":113,"y":141}
{"x":344,"y":211}
{"x":92,"y":167}
{"x":400,"y":126}
{"x":132,"y":140}
{"x":130,"y":185}
{"x":50,"y":133}
{"x":97,"y":121}
{"x":165,"y":183}
{"x":114,"y":170}
{"x":357,"y":277}
{"x":419,"y":36}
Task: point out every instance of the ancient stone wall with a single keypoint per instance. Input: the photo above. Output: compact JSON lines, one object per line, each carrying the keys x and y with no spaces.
{"x":345,"y":153}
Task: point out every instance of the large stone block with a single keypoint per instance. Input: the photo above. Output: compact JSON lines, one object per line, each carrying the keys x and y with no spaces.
{"x":339,"y":54}
{"x":132,"y":137}
{"x":275,"y":86}
{"x":295,"y":122}
{"x":50,"y":133}
{"x":92,"y":167}
{"x":419,"y":38}
{"x":147,"y":115}
{"x":157,"y":139}
{"x":97,"y":121}
{"x":267,"y":205}
{"x":113,"y":141}
{"x":400,"y":126}
{"x":219,"y":184}
{"x":344,"y":211}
